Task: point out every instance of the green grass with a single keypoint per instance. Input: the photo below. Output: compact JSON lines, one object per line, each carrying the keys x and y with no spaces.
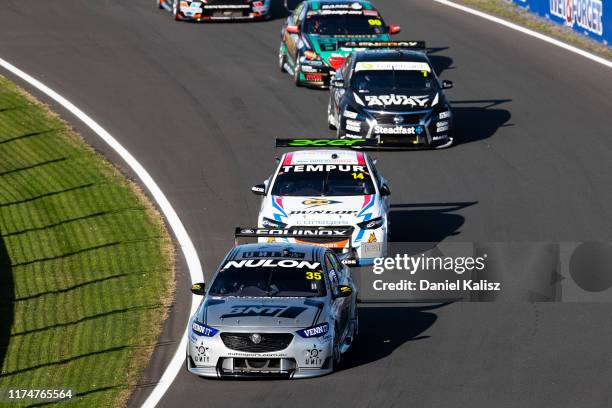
{"x":511,"y":12}
{"x":85,"y":262}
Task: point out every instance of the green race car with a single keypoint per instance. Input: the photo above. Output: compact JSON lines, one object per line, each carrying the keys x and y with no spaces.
{"x":314,"y":37}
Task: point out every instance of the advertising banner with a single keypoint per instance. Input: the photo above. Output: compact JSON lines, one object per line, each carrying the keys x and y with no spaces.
{"x":592,"y":18}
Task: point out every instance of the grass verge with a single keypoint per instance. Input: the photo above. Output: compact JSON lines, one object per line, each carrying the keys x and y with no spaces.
{"x":86,"y":265}
{"x":511,"y":12}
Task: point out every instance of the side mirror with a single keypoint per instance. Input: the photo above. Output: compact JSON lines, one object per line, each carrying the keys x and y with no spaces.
{"x":447,"y":84}
{"x":344,"y":291}
{"x":394,"y":29}
{"x":292,"y":29}
{"x":198,"y":289}
{"x":384,"y":190}
{"x":337,"y":83}
{"x":259,"y":189}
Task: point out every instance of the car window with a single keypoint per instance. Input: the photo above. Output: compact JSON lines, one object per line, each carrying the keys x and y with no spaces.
{"x":332,"y":271}
{"x":323,"y":180}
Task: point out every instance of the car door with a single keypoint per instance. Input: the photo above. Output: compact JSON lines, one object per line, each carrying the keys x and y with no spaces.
{"x":337,"y":93}
{"x":291,"y":40}
{"x":341,"y":306}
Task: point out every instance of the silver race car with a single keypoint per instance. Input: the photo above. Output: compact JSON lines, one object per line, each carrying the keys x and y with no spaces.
{"x":274,"y":310}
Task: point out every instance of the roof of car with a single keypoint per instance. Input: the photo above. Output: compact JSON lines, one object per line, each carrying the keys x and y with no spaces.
{"x":277,"y":250}
{"x":315,"y":4}
{"x":391,"y":55}
{"x":324,"y":157}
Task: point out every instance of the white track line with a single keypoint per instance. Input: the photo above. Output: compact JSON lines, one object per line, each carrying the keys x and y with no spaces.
{"x":191,"y":256}
{"x":527,"y":31}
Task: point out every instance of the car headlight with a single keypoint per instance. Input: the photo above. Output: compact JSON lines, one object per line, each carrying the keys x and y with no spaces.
{"x":201,"y":329}
{"x":372,"y":224}
{"x":314,"y":331}
{"x":270,"y":223}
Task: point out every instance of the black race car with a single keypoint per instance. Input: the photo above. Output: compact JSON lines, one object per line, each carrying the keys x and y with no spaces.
{"x":314,"y":37}
{"x":390,"y":92}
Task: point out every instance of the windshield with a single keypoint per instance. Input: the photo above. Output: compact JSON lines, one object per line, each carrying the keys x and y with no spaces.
{"x":421,"y":81}
{"x":350,"y":25}
{"x":270,"y":281}
{"x":323,"y":180}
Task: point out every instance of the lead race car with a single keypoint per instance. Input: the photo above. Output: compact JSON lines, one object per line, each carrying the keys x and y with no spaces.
{"x":389,"y":91}
{"x":203,"y":10}
{"x":273,"y":310}
{"x":328,"y":188}
{"x":313,"y":35}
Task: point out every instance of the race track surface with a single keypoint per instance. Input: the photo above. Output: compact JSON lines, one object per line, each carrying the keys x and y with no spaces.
{"x":199,"y":105}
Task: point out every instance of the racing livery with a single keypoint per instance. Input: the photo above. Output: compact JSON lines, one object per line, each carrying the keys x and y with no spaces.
{"x":328,"y":188}
{"x":282,"y":310}
{"x":313,"y":36}
{"x":202,"y":10}
{"x":392,"y":95}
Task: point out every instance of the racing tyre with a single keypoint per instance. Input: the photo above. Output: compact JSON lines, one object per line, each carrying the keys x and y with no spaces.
{"x":329,"y":116}
{"x":282,"y":59}
{"x":175,"y":10}
{"x":336,"y":355}
{"x":296,"y":75}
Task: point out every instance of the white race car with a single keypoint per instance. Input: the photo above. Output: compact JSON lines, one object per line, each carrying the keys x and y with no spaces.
{"x":327,"y":188}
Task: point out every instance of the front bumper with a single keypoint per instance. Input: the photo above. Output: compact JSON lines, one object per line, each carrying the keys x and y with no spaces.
{"x":418,"y":130}
{"x":302,"y":358}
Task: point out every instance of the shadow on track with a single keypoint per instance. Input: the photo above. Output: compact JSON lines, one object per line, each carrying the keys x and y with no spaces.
{"x":7,"y":301}
{"x":440,"y":63}
{"x":476,"y":120}
{"x":426,"y":222}
{"x":384,"y":329}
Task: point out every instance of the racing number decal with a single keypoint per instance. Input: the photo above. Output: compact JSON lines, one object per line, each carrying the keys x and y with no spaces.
{"x":357,"y":176}
{"x":374,"y":22}
{"x":313,"y":275}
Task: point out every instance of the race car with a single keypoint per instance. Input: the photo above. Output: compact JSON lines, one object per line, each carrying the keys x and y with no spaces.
{"x":273,"y":310}
{"x":203,"y":10}
{"x":312,"y":37}
{"x":388,"y":91}
{"x":328,"y":188}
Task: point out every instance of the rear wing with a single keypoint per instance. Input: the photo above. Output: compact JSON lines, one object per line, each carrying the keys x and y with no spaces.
{"x":331,"y":233}
{"x":341,"y":143}
{"x":405,"y":45}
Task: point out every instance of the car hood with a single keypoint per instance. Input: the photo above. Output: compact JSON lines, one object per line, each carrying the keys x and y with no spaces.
{"x":261,"y":312}
{"x":320,"y":211}
{"x":397,"y":101}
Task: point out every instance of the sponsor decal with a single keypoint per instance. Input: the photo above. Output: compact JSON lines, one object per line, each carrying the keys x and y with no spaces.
{"x":271,"y":263}
{"x":372,"y":238}
{"x":392,"y":66}
{"x":586,"y":14}
{"x":434,"y":138}
{"x":313,"y":356}
{"x":314,"y":77}
{"x":202,"y":354}
{"x":290,"y":312}
{"x":317,"y":202}
{"x":396,"y":100}
{"x":324,"y":142}
{"x":298,"y":232}
{"x":301,"y":168}
{"x":201,"y":329}
{"x":350,"y":114}
{"x":398,"y":130}
{"x":315,"y":331}
{"x":322,"y":212}
{"x":444,"y":115}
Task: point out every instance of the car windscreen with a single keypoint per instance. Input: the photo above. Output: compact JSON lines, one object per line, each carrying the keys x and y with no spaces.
{"x":323,"y":180}
{"x":385,"y":80}
{"x":340,"y":25}
{"x":270,"y":281}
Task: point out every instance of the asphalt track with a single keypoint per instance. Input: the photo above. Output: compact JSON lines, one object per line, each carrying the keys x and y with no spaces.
{"x":200,"y":105}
